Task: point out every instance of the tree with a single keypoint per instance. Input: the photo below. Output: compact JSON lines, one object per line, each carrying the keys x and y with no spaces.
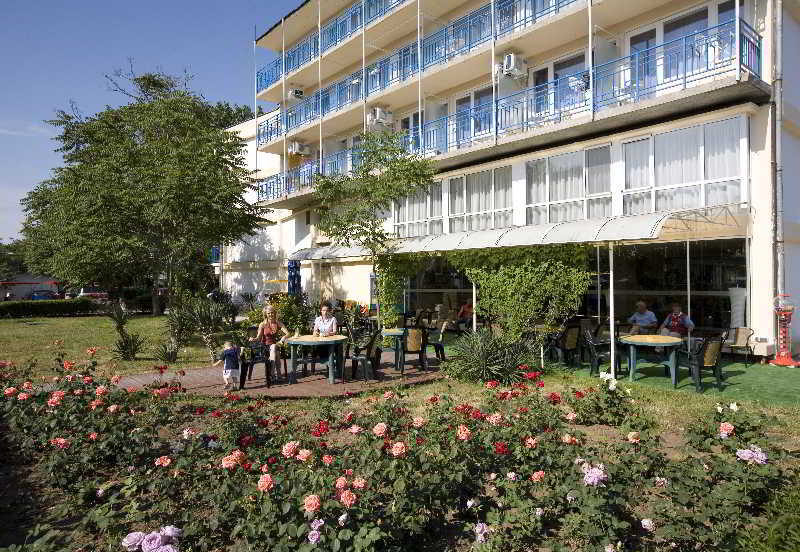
{"x":353,"y":206}
{"x":11,"y":260}
{"x":144,"y":186}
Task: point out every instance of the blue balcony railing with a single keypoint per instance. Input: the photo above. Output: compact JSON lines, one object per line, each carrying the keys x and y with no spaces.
{"x":459,"y":37}
{"x":513,"y":15}
{"x":335,"y":31}
{"x":392,"y":69}
{"x":302,"y":177}
{"x":271,"y":129}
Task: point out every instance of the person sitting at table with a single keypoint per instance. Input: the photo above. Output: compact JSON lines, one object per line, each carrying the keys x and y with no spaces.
{"x":324,"y":326}
{"x":676,"y":324}
{"x":269,"y":333}
{"x":643,"y":320}
{"x":465,"y":314}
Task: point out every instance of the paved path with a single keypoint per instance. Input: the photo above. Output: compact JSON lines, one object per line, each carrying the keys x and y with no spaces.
{"x":208,"y":380}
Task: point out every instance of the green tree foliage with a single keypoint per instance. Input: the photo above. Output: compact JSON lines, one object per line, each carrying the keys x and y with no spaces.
{"x":574,"y":255}
{"x":144,"y":186}
{"x":11,"y":260}
{"x":519,"y":297}
{"x":353,"y":206}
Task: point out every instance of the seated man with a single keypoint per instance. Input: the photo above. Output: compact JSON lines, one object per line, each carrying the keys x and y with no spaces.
{"x":643,"y":320}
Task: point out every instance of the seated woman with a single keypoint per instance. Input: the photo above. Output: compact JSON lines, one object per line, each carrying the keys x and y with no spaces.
{"x":676,"y":324}
{"x":271,"y":331}
{"x":643,"y":320}
{"x":324,"y":326}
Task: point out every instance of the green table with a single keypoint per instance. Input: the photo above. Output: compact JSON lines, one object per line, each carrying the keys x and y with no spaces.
{"x":668,"y":343}
{"x":335,"y":360}
{"x":398,"y":334}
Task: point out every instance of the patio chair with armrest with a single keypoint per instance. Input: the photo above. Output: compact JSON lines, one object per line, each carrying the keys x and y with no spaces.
{"x":704,"y":354}
{"x":741,"y":343}
{"x":368,"y":357}
{"x":416,"y":344}
{"x":597,"y":356}
{"x":567,"y":345}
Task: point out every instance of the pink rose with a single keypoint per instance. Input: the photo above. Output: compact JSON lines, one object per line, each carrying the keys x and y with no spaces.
{"x":726,"y":429}
{"x":355,"y":430}
{"x":399,"y":449}
{"x":53,"y":401}
{"x":60,"y":442}
{"x":341,"y":483}
{"x":531,"y":442}
{"x":264,"y":468}
{"x":348,"y":498}
{"x":633,"y":437}
{"x":349,"y":417}
{"x":418,"y":422}
{"x":28,"y":386}
{"x":96,"y":403}
{"x":380,"y":430}
{"x":115,"y":379}
{"x":327,"y":459}
{"x":86,"y":379}
{"x":93,"y":436}
{"x":163,"y":461}
{"x":571,"y":416}
{"x":388,"y":395}
{"x":10,"y":391}
{"x":463,"y":433}
{"x":265,"y":483}
{"x":568,"y":439}
{"x":290,"y":449}
{"x":114,"y":408}
{"x":70,"y":377}
{"x":537,"y":476}
{"x":359,"y":483}
{"x":303,"y":455}
{"x":348,"y":471}
{"x":495,"y":419}
{"x":312,"y":503}
{"x":23,"y":396}
{"x":78,"y":392}
{"x":101,"y":390}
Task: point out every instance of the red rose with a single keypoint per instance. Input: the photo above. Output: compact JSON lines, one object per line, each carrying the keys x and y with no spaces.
{"x":501,"y":448}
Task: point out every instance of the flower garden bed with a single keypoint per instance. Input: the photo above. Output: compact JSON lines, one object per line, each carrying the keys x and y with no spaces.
{"x":520,"y":467}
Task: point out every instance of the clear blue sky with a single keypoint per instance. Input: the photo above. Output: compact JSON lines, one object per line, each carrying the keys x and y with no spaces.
{"x":53,"y":51}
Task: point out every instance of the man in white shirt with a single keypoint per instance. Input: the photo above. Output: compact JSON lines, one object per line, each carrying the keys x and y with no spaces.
{"x":643,"y":320}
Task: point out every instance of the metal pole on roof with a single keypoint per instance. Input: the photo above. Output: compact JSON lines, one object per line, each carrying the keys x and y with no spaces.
{"x":419,"y":84}
{"x":613,"y":355}
{"x":688,"y":285}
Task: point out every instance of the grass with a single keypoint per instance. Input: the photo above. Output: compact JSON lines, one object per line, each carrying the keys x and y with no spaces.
{"x":23,"y":340}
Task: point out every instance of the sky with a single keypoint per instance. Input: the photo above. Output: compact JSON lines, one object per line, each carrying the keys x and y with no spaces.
{"x":53,"y":52}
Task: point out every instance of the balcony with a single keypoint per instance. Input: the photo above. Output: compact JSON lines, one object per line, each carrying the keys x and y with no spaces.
{"x":700,"y":67}
{"x":300,"y":180}
{"x":334,"y":32}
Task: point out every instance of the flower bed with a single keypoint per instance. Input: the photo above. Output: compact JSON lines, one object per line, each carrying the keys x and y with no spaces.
{"x":515,"y":470}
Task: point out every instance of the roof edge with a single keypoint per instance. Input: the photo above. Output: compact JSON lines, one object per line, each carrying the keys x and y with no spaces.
{"x":285,"y":17}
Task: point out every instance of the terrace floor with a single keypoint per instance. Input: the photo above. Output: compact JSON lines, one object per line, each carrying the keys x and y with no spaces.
{"x":208,"y":380}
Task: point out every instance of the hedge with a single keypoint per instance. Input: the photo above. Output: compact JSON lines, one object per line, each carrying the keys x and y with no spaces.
{"x":58,"y":307}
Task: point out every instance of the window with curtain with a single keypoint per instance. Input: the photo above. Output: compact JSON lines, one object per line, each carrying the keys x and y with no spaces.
{"x":481,"y":200}
{"x":503,"y":204}
{"x":637,"y":164}
{"x":419,"y":214}
{"x":566,"y":176}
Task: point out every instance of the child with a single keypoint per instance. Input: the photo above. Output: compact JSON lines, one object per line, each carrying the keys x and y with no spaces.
{"x":230,"y":356}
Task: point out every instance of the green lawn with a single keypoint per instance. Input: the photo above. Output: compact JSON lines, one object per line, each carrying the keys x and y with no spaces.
{"x":25,"y":339}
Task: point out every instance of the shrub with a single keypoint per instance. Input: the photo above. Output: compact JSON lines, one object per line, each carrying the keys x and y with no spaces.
{"x":782,"y":533}
{"x":128,"y":345}
{"x":294,"y":311}
{"x":59,"y":307}
{"x":165,"y":351}
{"x":482,"y":356}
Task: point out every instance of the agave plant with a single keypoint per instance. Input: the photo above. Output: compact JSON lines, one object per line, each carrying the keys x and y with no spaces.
{"x":208,"y":317}
{"x":481,"y":356}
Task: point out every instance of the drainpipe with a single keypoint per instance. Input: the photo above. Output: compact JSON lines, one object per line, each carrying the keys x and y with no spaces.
{"x":777,"y":106}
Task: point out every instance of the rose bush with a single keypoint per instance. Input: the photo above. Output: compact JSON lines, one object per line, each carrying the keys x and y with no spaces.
{"x":509,"y":470}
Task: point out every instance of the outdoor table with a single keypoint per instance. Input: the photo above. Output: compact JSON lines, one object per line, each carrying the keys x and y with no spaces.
{"x":398,"y":334}
{"x":669,"y":343}
{"x":335,"y":360}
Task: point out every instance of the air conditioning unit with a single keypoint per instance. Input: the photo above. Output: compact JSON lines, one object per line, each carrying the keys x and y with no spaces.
{"x":295,"y":94}
{"x":380,"y":116}
{"x":298,"y":148}
{"x":514,"y":66}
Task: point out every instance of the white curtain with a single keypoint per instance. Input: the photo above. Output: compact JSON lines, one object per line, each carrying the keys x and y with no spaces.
{"x":636,"y":204}
{"x":723,"y":193}
{"x":400,"y":211}
{"x":435,"y":227}
{"x":566,"y":176}
{"x":598,"y":208}
{"x":417,"y":207}
{"x":436,"y":200}
{"x":637,"y":164}
{"x":536,"y":181}
{"x":536,"y":215}
{"x":456,"y":224}
{"x":502,"y":188}
{"x":563,"y":212}
{"x":677,"y":157}
{"x":687,"y":197}
{"x":722,"y":149}
{"x":503,"y":219}
{"x":598,"y":170}
{"x":481,"y":221}
{"x":479,"y":192}
{"x":456,"y":195}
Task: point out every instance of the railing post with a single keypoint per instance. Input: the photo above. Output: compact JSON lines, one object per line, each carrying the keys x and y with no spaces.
{"x":685,"y":66}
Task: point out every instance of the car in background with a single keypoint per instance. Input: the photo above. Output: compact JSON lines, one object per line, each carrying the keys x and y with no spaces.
{"x":43,"y":295}
{"x":93,"y":293}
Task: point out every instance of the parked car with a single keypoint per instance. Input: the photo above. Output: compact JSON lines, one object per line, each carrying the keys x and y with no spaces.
{"x":43,"y":295}
{"x":94,"y":293}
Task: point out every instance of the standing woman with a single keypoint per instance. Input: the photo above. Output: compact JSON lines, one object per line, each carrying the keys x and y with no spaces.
{"x":271,"y":332}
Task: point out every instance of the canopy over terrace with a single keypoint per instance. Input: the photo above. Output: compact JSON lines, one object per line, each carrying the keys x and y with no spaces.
{"x":726,"y":221}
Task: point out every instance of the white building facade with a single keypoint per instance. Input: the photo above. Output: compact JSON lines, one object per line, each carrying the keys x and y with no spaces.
{"x":667,"y":129}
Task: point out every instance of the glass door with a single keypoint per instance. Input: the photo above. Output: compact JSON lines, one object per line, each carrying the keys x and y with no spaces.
{"x":483,"y":113}
{"x":643,"y":78}
{"x":541,"y":93}
{"x":685,"y":46}
{"x":409,"y":126}
{"x":570,"y":88}
{"x":463,"y":121}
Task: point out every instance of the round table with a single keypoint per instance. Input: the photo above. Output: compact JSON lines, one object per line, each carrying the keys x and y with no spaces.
{"x":398,"y":334}
{"x":335,"y":360}
{"x":668,"y":343}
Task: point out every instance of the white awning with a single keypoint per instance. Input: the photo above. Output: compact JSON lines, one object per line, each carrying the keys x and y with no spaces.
{"x":721,"y":222}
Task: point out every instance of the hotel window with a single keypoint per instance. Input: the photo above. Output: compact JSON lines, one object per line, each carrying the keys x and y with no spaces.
{"x":420,"y":214}
{"x":571,"y":186}
{"x":692,"y":167}
{"x":481,"y":200}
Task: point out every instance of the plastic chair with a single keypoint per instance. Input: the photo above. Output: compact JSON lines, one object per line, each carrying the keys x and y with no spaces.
{"x":369,"y":359}
{"x":705,"y":355}
{"x":598,"y":357}
{"x":416,"y":344}
{"x":566,"y":345}
{"x":741,"y":342}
